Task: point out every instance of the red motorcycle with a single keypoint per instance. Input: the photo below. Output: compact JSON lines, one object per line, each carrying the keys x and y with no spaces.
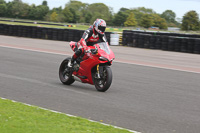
{"x":92,"y":67}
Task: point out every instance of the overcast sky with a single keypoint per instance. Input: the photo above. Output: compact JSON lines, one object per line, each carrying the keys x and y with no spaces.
{"x":180,"y":7}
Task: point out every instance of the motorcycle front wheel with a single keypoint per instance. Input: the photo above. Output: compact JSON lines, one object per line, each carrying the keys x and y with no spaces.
{"x":105,"y":80}
{"x":65,"y":72}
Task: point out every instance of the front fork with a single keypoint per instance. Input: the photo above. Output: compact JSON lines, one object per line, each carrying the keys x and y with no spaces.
{"x":98,"y":73}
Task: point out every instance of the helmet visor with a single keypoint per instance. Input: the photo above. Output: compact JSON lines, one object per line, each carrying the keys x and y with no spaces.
{"x":102,"y":29}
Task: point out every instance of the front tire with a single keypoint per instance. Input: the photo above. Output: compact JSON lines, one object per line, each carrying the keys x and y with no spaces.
{"x":105,"y":81}
{"x":65,"y":72}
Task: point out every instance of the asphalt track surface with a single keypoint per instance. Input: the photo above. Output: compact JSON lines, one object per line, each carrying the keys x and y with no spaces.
{"x":152,"y":91}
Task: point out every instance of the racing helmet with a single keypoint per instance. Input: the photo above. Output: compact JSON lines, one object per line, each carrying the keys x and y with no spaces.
{"x":99,"y":26}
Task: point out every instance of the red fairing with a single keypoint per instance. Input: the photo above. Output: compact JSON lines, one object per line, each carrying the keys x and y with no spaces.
{"x":72,"y":45}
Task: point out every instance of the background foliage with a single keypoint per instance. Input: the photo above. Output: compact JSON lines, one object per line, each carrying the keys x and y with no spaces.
{"x":78,"y":12}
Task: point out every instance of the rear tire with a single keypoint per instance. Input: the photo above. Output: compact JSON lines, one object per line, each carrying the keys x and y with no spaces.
{"x":64,"y":72}
{"x":105,"y":81}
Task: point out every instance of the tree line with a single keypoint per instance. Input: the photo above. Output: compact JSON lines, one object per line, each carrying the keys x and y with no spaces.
{"x":78,"y":12}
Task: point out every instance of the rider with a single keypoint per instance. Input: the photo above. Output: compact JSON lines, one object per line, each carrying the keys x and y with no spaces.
{"x":90,"y":37}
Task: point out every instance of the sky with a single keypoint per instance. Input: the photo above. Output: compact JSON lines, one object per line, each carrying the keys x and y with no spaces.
{"x":180,"y":7}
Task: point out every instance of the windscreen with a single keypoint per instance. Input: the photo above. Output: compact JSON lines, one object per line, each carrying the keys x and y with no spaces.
{"x":104,"y":47}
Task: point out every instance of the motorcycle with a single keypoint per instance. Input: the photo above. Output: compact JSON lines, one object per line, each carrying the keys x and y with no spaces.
{"x":92,"y":67}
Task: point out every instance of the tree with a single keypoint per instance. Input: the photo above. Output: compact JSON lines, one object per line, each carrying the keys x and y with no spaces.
{"x":145,"y":10}
{"x":159,"y":22}
{"x":100,"y":10}
{"x":60,"y":17}
{"x":169,"y":16}
{"x":40,"y":12}
{"x":57,"y":10}
{"x":190,"y":21}
{"x":121,"y":17}
{"x":3,"y":10}
{"x":124,"y":9}
{"x":17,"y":0}
{"x":78,"y":9}
{"x":44,"y":3}
{"x":140,"y":11}
{"x":8,"y":12}
{"x":76,"y":16}
{"x":76,"y":5}
{"x":146,"y":21}
{"x":68,"y":16}
{"x":18,"y":9}
{"x":2,"y":2}
{"x":130,"y":21}
{"x":88,"y":17}
{"x":32,"y":12}
{"x":25,"y":11}
{"x":53,"y":17}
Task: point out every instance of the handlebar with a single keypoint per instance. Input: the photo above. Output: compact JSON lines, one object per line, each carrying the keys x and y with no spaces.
{"x":94,"y":51}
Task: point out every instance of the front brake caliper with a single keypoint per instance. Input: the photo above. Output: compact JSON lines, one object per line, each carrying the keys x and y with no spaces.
{"x":98,"y":74}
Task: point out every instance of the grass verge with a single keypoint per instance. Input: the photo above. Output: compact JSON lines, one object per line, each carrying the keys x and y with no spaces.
{"x":79,"y":27}
{"x":17,"y":117}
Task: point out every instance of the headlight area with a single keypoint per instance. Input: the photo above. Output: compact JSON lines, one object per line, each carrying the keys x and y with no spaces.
{"x":103,"y":58}
{"x":112,"y":59}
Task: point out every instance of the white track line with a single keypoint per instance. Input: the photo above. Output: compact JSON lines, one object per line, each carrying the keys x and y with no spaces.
{"x":33,"y":50}
{"x":154,"y":66}
{"x":57,"y":53}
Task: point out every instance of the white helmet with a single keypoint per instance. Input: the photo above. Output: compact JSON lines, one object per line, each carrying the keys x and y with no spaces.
{"x":99,"y":26}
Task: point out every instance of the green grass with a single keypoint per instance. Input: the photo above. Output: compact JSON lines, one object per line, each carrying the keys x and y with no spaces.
{"x":81,"y":27}
{"x":17,"y":117}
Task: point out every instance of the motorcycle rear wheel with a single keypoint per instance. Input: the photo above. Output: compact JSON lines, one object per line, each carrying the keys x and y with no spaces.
{"x":65,"y":73}
{"x":105,"y":81}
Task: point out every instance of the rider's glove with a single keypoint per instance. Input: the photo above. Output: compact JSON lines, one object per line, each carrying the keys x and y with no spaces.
{"x":87,"y":50}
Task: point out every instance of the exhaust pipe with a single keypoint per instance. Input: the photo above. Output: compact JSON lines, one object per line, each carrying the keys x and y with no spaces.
{"x":77,"y":78}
